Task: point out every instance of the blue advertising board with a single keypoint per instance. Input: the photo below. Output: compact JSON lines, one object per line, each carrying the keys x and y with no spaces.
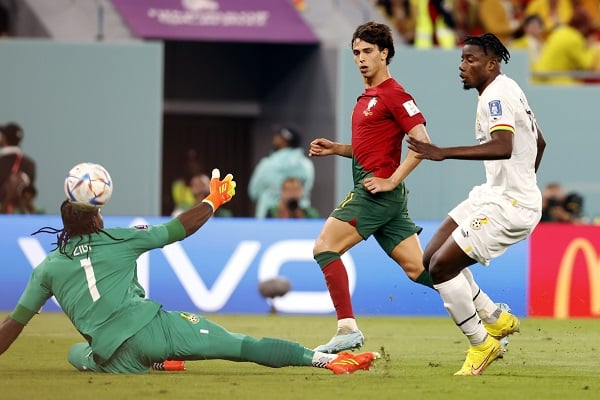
{"x":218,"y":269}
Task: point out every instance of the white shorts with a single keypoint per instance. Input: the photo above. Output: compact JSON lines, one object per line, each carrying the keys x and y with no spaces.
{"x":487,"y":226}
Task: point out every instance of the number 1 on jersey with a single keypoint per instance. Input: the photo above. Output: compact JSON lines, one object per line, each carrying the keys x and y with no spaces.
{"x":86,"y":264}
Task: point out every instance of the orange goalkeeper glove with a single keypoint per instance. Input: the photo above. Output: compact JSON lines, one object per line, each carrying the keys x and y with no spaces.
{"x":221,"y":191}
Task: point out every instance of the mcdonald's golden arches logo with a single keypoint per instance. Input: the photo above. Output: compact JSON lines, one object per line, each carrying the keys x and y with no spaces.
{"x":562,"y":294}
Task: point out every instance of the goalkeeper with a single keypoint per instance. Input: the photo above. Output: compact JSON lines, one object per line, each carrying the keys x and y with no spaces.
{"x":92,"y":274}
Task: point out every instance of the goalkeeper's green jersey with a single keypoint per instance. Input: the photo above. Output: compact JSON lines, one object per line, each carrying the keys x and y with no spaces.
{"x":97,"y":285}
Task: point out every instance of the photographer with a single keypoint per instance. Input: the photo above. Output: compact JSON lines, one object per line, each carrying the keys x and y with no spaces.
{"x":19,"y":195}
{"x":288,"y":159}
{"x":292,"y":191}
{"x":558,"y":206}
{"x":15,"y":166}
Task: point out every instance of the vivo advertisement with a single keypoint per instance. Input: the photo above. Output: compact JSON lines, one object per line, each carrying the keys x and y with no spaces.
{"x":218,"y":269}
{"x":555,"y":273}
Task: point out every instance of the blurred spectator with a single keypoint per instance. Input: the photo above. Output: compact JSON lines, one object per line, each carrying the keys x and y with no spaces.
{"x":286,"y":161}
{"x":300,"y":5}
{"x":530,"y":37}
{"x":402,"y":16}
{"x":552,"y":197}
{"x":181,"y":192}
{"x":19,"y":196}
{"x":500,"y":18}
{"x":292,"y":192}
{"x":200,"y":188}
{"x":435,"y":25}
{"x":13,"y":161}
{"x":573,"y":204}
{"x":592,"y":7}
{"x":554,"y":13}
{"x":567,"y":50}
{"x":28,"y":205}
{"x":466,"y":15}
{"x":558,"y":206}
{"x":4,"y":22}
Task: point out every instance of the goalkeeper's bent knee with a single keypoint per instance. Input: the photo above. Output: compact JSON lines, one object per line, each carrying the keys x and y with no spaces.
{"x":80,"y":356}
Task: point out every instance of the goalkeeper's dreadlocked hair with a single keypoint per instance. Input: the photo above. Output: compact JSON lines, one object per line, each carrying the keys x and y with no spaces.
{"x":76,"y":222}
{"x":490,"y":43}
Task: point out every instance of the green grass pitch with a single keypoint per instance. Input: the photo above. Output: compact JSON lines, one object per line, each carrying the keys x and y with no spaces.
{"x":549,"y":359}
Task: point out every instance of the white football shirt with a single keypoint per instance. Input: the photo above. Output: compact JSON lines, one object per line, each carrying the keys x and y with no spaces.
{"x":503,"y":106}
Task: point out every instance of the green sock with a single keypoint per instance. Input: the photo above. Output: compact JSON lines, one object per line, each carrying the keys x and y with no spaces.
{"x":276,"y":352}
{"x":326,"y":257}
{"x":425,"y":279}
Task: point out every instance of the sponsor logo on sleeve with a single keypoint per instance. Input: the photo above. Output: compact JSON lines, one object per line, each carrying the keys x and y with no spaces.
{"x":411,"y":108}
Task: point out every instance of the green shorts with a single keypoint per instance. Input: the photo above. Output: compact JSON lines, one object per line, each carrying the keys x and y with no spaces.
{"x":171,"y":335}
{"x":383,"y":215}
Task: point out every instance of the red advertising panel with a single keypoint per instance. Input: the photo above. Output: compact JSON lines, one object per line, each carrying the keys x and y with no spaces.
{"x":564,"y":271}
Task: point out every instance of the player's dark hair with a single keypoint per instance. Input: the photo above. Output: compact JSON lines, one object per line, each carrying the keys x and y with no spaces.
{"x":378,"y":34}
{"x":489,"y":43}
{"x":76,"y":222}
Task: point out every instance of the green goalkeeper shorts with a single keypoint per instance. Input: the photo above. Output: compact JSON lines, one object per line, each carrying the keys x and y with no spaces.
{"x":171,"y":335}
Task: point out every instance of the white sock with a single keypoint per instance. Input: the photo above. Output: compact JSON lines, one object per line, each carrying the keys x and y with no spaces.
{"x":486,"y":308}
{"x":320,"y":360}
{"x":347,"y":325}
{"x":456,"y":294}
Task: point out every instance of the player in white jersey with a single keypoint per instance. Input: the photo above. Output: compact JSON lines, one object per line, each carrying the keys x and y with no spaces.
{"x":501,"y":212}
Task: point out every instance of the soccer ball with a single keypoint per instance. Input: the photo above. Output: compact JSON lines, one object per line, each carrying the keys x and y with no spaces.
{"x":88,"y":186}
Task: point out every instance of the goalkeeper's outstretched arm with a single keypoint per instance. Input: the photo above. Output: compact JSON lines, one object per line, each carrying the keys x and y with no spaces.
{"x":10,"y":329}
{"x":221,"y":192}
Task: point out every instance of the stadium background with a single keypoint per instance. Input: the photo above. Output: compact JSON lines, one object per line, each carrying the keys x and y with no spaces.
{"x":136,"y":105}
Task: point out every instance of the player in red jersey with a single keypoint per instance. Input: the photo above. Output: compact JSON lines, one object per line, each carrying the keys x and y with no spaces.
{"x":377,"y":205}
